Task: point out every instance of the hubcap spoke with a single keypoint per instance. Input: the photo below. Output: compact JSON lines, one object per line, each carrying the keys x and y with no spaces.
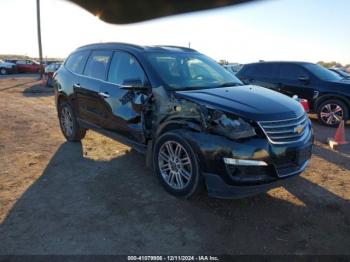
{"x":185,"y":174}
{"x":170,"y":149}
{"x":179,"y":181}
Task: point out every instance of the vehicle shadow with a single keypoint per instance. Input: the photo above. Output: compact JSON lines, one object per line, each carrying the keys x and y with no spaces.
{"x":83,"y":206}
{"x":17,"y":85}
{"x":38,"y":90}
{"x":336,"y":157}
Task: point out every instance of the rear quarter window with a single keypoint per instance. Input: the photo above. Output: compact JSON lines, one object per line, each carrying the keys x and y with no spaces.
{"x":76,"y":61}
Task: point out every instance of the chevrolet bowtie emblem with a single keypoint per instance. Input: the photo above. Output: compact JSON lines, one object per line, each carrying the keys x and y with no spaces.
{"x":299,"y":129}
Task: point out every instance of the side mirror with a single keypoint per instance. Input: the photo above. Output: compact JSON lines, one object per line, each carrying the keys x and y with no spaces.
{"x":304,"y":79}
{"x":134,"y":84}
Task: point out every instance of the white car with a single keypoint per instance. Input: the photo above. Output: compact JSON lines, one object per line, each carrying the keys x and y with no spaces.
{"x":6,"y":68}
{"x":51,"y":68}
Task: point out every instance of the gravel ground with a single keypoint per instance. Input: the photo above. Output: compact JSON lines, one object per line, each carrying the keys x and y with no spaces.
{"x":97,"y":197}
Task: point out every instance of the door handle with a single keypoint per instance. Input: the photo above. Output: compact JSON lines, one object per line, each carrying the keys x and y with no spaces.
{"x":104,"y":94}
{"x":77,"y":85}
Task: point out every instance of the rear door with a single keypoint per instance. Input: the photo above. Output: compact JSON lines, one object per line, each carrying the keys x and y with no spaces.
{"x":87,"y":87}
{"x":124,"y":108}
{"x":265,"y":75}
{"x":295,"y":80}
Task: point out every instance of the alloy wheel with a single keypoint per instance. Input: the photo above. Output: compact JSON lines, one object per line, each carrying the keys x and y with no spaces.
{"x":331,"y":114}
{"x":175,"y":165}
{"x":67,"y":121}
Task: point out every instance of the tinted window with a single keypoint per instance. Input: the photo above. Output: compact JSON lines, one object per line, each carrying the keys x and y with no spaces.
{"x":265,"y":71}
{"x":322,"y":73}
{"x":97,"y":64}
{"x":76,"y":61}
{"x":246,"y":71}
{"x":291,"y":72}
{"x":125,"y":69}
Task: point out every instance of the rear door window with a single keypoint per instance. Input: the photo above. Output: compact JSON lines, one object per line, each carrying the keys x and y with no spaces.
{"x":265,"y":71}
{"x":292,"y":72}
{"x":97,"y":64}
{"x":125,"y":70}
{"x":76,"y":61}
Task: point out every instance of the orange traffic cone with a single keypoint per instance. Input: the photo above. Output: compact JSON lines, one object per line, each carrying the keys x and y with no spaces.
{"x":340,"y":134}
{"x":339,"y":138}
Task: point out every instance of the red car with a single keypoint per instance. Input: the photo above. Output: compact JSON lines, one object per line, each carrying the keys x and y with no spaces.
{"x":28,"y":66}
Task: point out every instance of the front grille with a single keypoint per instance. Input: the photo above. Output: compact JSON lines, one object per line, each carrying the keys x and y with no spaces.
{"x":286,"y":131}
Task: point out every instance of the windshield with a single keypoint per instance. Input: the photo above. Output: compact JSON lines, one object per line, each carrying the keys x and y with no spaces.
{"x":323,"y":73}
{"x":1,"y":61}
{"x":191,"y":71}
{"x":340,"y":72}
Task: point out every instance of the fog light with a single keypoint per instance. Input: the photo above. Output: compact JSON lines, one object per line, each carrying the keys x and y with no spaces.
{"x":244,"y":162}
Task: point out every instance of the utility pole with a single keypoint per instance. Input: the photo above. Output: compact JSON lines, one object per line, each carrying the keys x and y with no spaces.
{"x":39,"y":37}
{"x":189,"y":44}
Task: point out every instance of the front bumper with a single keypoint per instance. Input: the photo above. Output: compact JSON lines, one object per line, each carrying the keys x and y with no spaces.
{"x":235,"y":181}
{"x":218,"y":188}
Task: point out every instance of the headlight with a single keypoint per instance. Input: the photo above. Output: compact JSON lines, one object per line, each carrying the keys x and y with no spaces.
{"x":232,"y":128}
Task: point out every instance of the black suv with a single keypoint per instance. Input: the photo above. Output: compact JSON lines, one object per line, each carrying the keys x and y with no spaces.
{"x":327,"y":92}
{"x":196,"y":122}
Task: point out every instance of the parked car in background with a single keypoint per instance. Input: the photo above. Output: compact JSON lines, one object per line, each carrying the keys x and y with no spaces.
{"x":13,"y":61}
{"x":6,"y":67}
{"x":233,"y":68}
{"x":340,"y":72}
{"x":328,"y":94}
{"x":49,"y":62}
{"x":28,"y":66}
{"x":49,"y":72}
{"x":197,"y":123}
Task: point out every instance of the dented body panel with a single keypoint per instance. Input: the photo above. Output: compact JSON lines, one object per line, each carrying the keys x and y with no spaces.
{"x":219,"y":123}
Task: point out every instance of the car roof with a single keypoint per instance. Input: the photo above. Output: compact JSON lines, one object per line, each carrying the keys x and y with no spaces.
{"x":137,"y":48}
{"x":281,"y":62}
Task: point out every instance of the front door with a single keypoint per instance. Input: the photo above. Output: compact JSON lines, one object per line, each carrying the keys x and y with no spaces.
{"x":124,"y":107}
{"x":295,"y":80}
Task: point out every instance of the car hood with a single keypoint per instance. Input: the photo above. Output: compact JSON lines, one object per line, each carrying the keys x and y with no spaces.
{"x":344,"y":81}
{"x":250,"y":102}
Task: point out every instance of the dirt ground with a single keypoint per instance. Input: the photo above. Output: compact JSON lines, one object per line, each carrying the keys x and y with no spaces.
{"x":97,"y":197}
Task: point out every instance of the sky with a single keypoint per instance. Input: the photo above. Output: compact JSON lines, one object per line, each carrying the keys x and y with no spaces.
{"x":303,"y":30}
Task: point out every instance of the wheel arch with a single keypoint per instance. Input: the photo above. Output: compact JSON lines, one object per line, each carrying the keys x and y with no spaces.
{"x":324,"y":98}
{"x":61,"y":97}
{"x":174,"y":125}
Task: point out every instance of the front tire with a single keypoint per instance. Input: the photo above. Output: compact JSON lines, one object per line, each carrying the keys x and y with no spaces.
{"x":69,"y":124}
{"x":332,"y":112}
{"x":176,"y":165}
{"x":3,"y":71}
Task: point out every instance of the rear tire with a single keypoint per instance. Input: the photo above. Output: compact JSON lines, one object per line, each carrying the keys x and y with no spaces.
{"x":176,"y":165}
{"x":331,"y":112}
{"x":69,"y":124}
